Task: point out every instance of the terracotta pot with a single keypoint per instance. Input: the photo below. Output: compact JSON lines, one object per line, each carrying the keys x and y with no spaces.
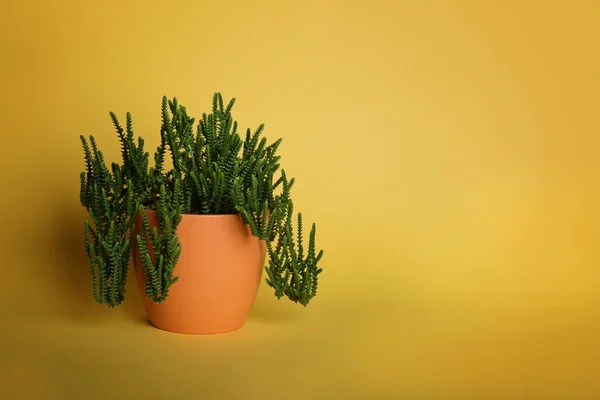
{"x":220,"y":270}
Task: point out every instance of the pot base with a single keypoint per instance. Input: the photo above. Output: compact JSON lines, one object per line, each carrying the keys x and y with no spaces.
{"x":170,"y":329}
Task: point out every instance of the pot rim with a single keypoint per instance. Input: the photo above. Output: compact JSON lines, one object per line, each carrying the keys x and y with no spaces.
{"x":201,"y":215}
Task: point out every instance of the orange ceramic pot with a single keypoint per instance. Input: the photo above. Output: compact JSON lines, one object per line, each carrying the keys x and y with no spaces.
{"x":219,"y":269}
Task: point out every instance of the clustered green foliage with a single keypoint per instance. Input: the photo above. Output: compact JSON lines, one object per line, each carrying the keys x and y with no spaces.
{"x":214,"y":171}
{"x":107,"y":196}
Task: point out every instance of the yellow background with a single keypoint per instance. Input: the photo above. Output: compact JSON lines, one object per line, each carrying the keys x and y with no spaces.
{"x":448,"y":151}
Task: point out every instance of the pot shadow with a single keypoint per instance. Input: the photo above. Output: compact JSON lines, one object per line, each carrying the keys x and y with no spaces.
{"x":268,"y":308}
{"x":73,"y":268}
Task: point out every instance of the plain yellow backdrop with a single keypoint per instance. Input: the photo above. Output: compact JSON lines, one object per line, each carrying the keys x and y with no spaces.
{"x":448,"y":151}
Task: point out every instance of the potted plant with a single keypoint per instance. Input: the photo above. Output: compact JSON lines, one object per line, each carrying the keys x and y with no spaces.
{"x":200,"y":229}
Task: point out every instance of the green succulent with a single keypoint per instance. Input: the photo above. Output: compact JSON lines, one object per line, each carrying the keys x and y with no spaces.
{"x":214,"y":171}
